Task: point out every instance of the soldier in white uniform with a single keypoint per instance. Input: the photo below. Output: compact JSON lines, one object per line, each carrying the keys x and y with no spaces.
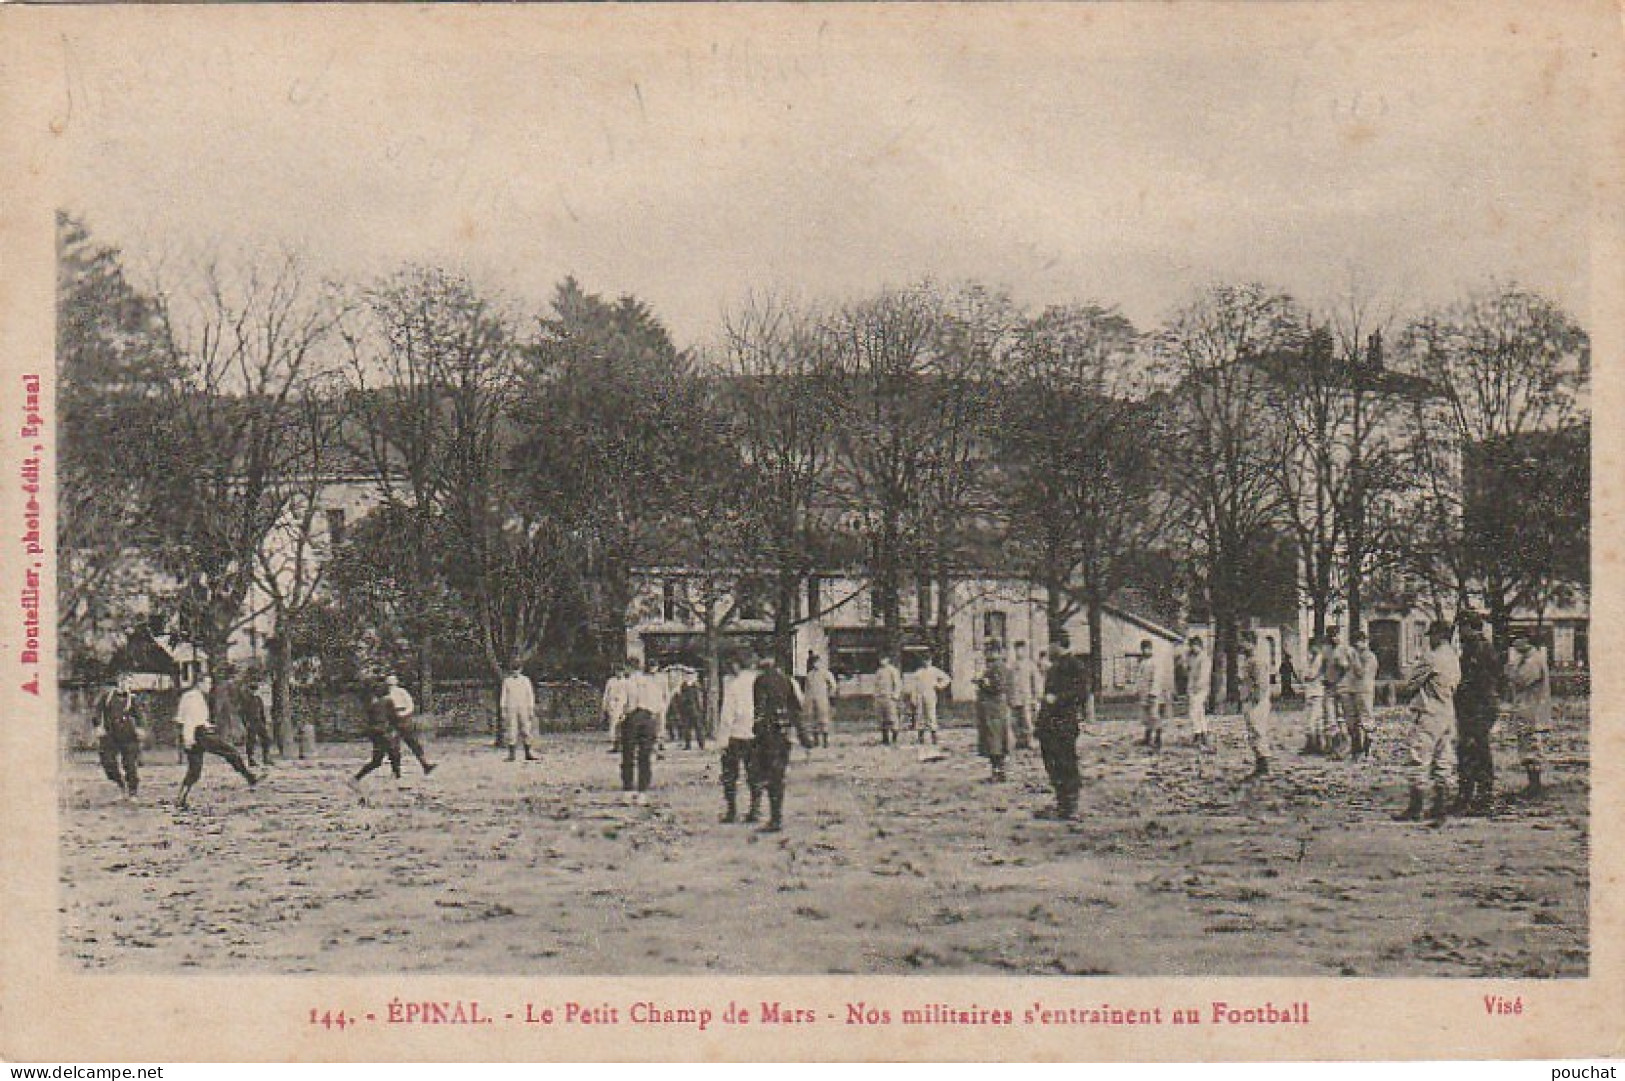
{"x":1433,"y":726}
{"x":1255,"y":702}
{"x":1026,"y":688}
{"x":517,"y":705}
{"x":888,"y":697}
{"x":1148,"y":688}
{"x":1529,"y":684}
{"x":1198,"y":680}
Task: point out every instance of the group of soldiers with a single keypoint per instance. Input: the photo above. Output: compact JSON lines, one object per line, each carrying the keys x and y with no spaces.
{"x":1453,"y":699}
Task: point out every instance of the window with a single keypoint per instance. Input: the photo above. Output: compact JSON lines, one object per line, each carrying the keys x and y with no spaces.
{"x":750,"y":601}
{"x":815,"y":600}
{"x":668,"y":600}
{"x":995,"y":630}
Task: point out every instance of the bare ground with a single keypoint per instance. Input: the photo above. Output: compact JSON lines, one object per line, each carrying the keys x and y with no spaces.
{"x":889,"y":865}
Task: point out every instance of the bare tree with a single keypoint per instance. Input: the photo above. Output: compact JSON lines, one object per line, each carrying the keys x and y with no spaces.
{"x":248,"y":343}
{"x":782,"y":388}
{"x":1508,"y":364}
{"x":1225,"y":477}
{"x":1078,"y":448}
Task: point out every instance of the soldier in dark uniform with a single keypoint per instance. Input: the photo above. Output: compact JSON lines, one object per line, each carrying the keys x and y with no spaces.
{"x":1066,"y":695}
{"x":118,"y":732}
{"x":251,"y":711}
{"x":1476,"y":701}
{"x":379,"y":725}
{"x":778,"y":712}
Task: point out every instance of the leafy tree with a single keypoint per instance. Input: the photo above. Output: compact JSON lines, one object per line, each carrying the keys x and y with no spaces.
{"x":113,"y":367}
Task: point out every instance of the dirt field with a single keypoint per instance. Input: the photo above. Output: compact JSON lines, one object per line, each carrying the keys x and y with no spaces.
{"x":888,"y":866}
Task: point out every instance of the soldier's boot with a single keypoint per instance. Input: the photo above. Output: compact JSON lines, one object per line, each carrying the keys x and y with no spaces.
{"x":1535,"y":789}
{"x":1413,"y":809}
{"x":1311,"y":744}
{"x":1157,"y":739}
{"x":755,"y":812}
{"x":775,"y":820}
{"x":732,"y":813}
{"x":1441,"y":805}
{"x":513,"y":753}
{"x":1261,"y":767}
{"x":528,"y":756}
{"x":1464,"y":797}
{"x":823,"y":738}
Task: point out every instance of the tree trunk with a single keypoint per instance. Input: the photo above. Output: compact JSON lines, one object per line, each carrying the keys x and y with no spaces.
{"x":1097,"y":654}
{"x":784,"y":618}
{"x":944,"y":631}
{"x":713,"y":674}
{"x":425,"y":673}
{"x":280,"y":650}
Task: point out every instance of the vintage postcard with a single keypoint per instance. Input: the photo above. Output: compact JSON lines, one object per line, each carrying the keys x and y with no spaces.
{"x":811,"y":531}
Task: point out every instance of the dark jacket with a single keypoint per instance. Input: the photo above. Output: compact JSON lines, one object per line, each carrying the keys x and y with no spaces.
{"x":778,"y":710}
{"x":1477,"y":692}
{"x":118,"y":717}
{"x":1066,"y":692}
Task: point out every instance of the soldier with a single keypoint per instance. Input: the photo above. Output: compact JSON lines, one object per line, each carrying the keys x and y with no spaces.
{"x":993,"y":711}
{"x":256,"y":725}
{"x":1066,"y":695}
{"x":1333,"y":668}
{"x":1314,"y":693}
{"x":736,"y":732}
{"x":1148,"y":687}
{"x":1529,"y":685}
{"x":404,"y":710}
{"x":777,"y":709}
{"x":1351,"y":694}
{"x":1026,"y":687}
{"x":928,"y":682}
{"x":198,"y":739}
{"x":1368,"y":694}
{"x":686,"y":714}
{"x":613,"y":708}
{"x":118,"y":732}
{"x":888,"y":693}
{"x":640,"y":731}
{"x":1476,"y":704}
{"x":1433,"y":725}
{"x":1255,"y":702}
{"x":517,"y":704}
{"x":821,"y":690}
{"x":1198,"y":681}
{"x":378,"y":724}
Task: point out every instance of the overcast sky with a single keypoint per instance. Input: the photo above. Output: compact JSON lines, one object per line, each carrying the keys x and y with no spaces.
{"x":1128,"y":155}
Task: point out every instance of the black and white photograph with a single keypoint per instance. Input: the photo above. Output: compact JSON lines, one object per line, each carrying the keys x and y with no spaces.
{"x":1003,"y":491}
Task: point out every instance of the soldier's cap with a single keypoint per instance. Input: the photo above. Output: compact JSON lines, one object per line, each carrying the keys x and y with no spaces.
{"x":1440,"y":628}
{"x":1063,"y":639}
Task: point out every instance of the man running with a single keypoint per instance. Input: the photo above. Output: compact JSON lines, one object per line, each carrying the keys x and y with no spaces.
{"x":378,"y":724}
{"x":117,"y":728}
{"x":198,"y":739}
{"x":404,"y":710}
